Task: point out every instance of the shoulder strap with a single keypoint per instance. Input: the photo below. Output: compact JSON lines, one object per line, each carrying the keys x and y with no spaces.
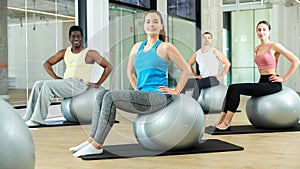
{"x":270,"y":45}
{"x":256,"y":49}
{"x":84,"y":52}
{"x":156,"y":44}
{"x":142,"y":45}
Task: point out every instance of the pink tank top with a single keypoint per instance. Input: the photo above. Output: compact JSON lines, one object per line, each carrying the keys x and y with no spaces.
{"x":266,"y":60}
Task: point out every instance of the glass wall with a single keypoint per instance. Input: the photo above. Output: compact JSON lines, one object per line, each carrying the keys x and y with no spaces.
{"x":126,"y":28}
{"x":141,"y":3}
{"x":36,"y":31}
{"x":182,"y":8}
{"x":244,"y":40}
{"x":182,"y":34}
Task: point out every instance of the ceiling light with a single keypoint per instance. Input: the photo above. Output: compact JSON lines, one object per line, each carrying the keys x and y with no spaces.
{"x":40,"y":12}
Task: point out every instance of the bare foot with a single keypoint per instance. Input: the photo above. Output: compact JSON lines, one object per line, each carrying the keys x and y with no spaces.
{"x":221,"y":119}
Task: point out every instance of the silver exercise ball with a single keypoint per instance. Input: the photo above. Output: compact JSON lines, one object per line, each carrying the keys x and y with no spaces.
{"x":17,"y":146}
{"x":80,"y":108}
{"x":65,"y":108}
{"x":179,"y":125}
{"x":274,"y":111}
{"x":211,"y":99}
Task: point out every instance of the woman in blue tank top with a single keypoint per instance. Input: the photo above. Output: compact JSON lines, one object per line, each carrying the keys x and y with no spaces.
{"x":147,"y":72}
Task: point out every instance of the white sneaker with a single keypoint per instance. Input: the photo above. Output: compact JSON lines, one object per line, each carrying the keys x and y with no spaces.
{"x":80,"y":146}
{"x":88,"y":150}
{"x":31,"y":123}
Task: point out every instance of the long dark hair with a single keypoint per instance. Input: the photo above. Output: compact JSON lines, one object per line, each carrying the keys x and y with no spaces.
{"x":264,"y":22}
{"x":162,"y":33}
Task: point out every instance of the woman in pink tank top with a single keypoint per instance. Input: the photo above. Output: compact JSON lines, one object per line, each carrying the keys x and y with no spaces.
{"x":267,"y":56}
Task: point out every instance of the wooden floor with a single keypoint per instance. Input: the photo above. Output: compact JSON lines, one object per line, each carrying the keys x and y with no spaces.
{"x":261,"y":151}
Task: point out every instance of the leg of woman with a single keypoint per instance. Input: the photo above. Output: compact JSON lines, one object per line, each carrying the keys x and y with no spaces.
{"x":95,"y":121}
{"x":96,"y":114}
{"x":234,"y":91}
{"x":130,"y":101}
{"x":221,"y":119}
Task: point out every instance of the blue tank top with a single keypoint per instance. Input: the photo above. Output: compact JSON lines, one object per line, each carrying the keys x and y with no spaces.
{"x":151,"y":69}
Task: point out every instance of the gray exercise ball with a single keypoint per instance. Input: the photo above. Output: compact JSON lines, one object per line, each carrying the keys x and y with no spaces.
{"x":212,"y":98}
{"x":65,"y":108}
{"x":179,"y":125}
{"x":81,"y":107}
{"x":17,"y":146}
{"x":275,"y":111}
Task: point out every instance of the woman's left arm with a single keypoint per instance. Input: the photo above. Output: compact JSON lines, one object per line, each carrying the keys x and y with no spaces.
{"x":290,"y":56}
{"x":175,"y":56}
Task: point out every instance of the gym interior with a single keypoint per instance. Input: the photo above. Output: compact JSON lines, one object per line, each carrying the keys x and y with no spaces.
{"x":33,"y":30}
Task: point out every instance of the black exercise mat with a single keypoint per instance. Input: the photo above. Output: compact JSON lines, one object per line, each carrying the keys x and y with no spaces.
{"x":136,"y":150}
{"x":57,"y":123}
{"x":249,"y":129}
{"x":217,"y":112}
{"x":52,"y":121}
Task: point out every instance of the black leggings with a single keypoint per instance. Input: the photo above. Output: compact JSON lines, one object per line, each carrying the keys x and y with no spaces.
{"x":263,"y":87}
{"x":198,"y":84}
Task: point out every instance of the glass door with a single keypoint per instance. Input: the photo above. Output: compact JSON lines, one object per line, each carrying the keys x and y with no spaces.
{"x":37,"y":29}
{"x":126,"y":28}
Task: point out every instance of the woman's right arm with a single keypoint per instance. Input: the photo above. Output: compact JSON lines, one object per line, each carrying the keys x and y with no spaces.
{"x":131,"y":73}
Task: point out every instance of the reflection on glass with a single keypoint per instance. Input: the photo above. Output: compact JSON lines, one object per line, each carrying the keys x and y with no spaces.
{"x":240,"y":1}
{"x":126,"y":28}
{"x":36,"y":31}
{"x":182,"y":8}
{"x":141,"y":3}
{"x":244,"y":40}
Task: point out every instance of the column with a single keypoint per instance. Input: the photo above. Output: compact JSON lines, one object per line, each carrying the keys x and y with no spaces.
{"x":3,"y":50}
{"x":162,"y":7}
{"x":212,"y":20}
{"x":98,"y":31}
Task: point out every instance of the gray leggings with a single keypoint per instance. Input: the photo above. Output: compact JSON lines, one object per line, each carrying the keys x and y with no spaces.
{"x":131,"y":101}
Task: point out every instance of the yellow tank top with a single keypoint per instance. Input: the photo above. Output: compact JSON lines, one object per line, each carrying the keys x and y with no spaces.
{"x":76,"y":66}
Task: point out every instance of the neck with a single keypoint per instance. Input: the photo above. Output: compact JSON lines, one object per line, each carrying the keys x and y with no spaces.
{"x":151,"y":41}
{"x":76,"y":49}
{"x":206,"y":48}
{"x":264,"y":41}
